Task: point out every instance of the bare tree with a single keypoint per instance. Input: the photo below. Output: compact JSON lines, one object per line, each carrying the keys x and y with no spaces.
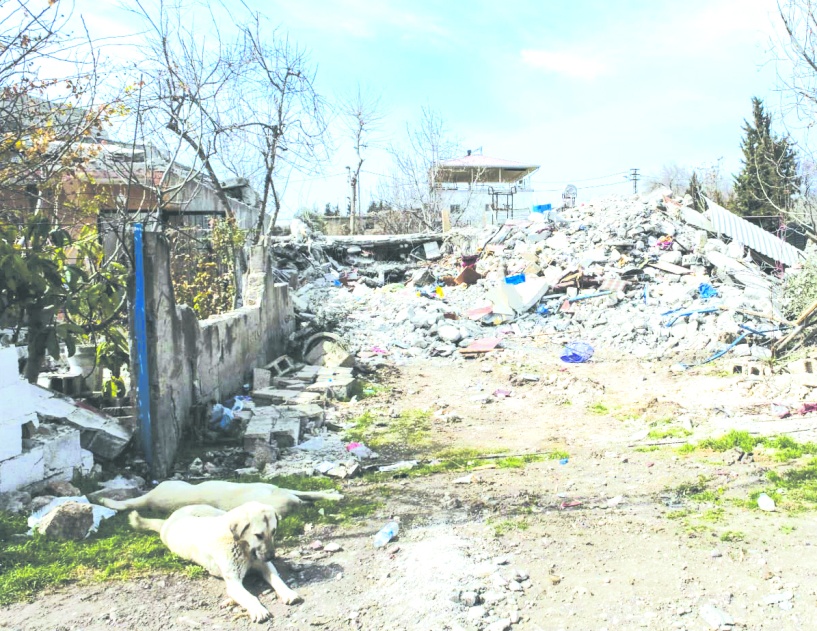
{"x":672,"y":176}
{"x":362,"y":116}
{"x":412,"y":188}
{"x":283,"y":125}
{"x":186,"y":105}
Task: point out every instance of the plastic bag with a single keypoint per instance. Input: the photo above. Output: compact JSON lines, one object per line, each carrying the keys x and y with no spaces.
{"x":360,"y":451}
{"x":706,"y":291}
{"x":577,"y":353}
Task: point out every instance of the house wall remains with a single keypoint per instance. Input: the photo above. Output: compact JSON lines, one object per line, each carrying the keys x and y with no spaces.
{"x":195,"y":363}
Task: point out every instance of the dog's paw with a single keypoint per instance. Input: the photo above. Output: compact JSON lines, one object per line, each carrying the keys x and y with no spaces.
{"x":289,"y":597}
{"x":258,"y":613}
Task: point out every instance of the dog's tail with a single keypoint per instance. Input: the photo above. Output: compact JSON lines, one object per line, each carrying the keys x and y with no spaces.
{"x":114,"y":504}
{"x":314,"y":496}
{"x":141,"y":523}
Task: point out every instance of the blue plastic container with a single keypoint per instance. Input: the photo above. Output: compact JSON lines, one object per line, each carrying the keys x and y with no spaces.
{"x":516,"y":279}
{"x":542,"y":208}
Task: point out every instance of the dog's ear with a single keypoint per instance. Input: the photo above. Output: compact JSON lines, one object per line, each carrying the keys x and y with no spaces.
{"x":239,"y":524}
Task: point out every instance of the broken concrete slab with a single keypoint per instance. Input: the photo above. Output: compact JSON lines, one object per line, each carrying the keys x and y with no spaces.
{"x":261,"y":378}
{"x":307,"y":374}
{"x":329,"y":353}
{"x":276,"y":396}
{"x":23,"y":470}
{"x":339,"y":387}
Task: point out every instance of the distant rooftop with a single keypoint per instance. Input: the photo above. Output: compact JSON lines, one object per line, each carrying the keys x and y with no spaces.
{"x":480,"y":169}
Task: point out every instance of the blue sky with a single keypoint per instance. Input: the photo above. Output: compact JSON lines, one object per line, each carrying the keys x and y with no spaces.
{"x":584,"y":89}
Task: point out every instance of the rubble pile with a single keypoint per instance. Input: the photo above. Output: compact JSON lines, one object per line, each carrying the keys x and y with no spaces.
{"x":643,"y":276}
{"x":288,"y":402}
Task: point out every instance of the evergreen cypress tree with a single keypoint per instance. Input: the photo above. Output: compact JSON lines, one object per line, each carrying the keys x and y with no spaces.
{"x":696,"y":192}
{"x":768,"y":181}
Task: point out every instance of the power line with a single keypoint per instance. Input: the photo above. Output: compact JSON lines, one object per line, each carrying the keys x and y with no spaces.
{"x":634,"y":178}
{"x":587,"y":179}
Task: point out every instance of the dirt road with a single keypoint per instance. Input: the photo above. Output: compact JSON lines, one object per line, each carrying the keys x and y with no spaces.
{"x":614,"y":533}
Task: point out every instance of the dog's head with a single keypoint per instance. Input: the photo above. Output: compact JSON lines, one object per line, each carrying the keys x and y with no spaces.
{"x":253,"y":526}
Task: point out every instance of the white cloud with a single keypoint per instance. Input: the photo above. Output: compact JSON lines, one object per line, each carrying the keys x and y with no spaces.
{"x":572,"y":65}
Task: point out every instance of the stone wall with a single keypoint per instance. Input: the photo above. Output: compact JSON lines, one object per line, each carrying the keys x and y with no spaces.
{"x":192,"y":362}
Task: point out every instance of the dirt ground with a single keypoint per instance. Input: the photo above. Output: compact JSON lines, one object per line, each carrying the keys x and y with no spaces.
{"x":607,"y":540}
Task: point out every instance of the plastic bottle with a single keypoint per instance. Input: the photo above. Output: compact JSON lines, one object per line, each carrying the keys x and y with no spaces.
{"x":386,"y":534}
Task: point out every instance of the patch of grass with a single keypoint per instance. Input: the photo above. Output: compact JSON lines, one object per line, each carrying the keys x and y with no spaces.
{"x":463,"y":460}
{"x":647,"y":449}
{"x":506,"y":526}
{"x":733,"y":439}
{"x":669,"y":432}
{"x":598,"y":408}
{"x":565,"y":402}
{"x":794,"y":490}
{"x":783,"y":448}
{"x":714,"y":515}
{"x":733,"y":535}
{"x":410,"y":429}
{"x":787,"y":529}
{"x":689,"y":489}
{"x":518,"y":462}
{"x":678,"y":514}
{"x":695,"y":529}
{"x":362,"y":428}
{"x":370,"y":390}
{"x":30,"y":564}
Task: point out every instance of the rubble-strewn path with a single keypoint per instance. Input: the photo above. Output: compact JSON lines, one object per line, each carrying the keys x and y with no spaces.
{"x":623,"y":535}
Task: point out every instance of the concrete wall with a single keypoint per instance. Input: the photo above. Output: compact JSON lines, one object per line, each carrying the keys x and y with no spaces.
{"x":192,"y":362}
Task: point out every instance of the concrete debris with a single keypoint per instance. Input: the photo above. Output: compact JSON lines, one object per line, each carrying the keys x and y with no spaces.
{"x":622,"y":274}
{"x":68,"y":523}
{"x":119,"y":488}
{"x":71,"y":520}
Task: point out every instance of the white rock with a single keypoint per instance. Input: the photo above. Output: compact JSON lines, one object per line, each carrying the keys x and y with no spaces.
{"x":715,"y":617}
{"x":766,"y":503}
{"x":449,"y":333}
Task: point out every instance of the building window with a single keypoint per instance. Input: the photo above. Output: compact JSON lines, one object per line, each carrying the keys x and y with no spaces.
{"x":455,"y":208}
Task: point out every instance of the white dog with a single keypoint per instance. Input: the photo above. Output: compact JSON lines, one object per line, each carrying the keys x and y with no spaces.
{"x":172,"y":495}
{"x":226,"y":544}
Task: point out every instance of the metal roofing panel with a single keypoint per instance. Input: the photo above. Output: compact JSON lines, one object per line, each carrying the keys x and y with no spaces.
{"x":750,"y":235}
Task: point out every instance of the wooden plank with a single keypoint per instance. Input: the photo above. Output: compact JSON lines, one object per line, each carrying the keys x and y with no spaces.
{"x":671,"y":268}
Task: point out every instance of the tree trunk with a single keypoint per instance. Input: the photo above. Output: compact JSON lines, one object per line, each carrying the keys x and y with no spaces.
{"x":37,"y":342}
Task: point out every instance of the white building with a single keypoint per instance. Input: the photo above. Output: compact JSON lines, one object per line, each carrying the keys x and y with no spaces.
{"x":479,"y":190}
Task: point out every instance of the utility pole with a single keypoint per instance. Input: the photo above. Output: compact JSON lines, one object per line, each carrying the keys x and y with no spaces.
{"x":354,"y":203}
{"x":350,"y":201}
{"x":634,"y":178}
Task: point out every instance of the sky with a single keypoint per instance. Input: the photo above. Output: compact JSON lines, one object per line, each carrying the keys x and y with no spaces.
{"x":587,"y":89}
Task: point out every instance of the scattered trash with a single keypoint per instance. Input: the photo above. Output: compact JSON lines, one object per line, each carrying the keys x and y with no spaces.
{"x":386,"y":534}
{"x":313,"y":444}
{"x":502,"y":393}
{"x":516,"y":279}
{"x":564,"y":461}
{"x":766,"y":503}
{"x":707,"y":291}
{"x":360,"y":451}
{"x":572,"y":504}
{"x":577,"y":353}
{"x":399,"y":466}
{"x":464,"y":480}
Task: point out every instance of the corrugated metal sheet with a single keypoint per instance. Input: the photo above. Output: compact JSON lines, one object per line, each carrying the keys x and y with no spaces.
{"x":740,"y":230}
